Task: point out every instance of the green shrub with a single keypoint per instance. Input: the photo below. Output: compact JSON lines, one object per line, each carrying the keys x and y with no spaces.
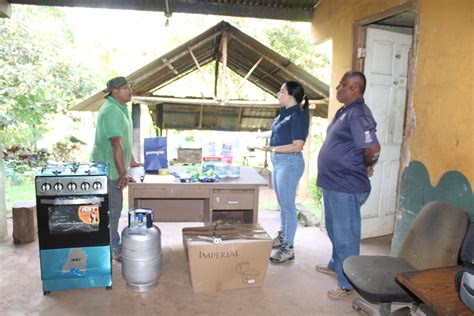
{"x":23,"y":163}
{"x":315,"y":194}
{"x":65,"y":151}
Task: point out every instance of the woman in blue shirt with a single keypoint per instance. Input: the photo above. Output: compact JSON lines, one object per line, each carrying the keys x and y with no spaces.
{"x":288,"y":135}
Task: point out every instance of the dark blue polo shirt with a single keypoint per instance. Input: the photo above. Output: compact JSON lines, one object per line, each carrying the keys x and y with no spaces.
{"x":341,"y":160}
{"x":291,"y":124}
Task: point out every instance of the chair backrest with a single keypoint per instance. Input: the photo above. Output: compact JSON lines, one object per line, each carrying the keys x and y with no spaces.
{"x":435,"y":236}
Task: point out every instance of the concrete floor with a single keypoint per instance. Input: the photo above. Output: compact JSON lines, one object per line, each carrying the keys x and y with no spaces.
{"x":291,"y":288}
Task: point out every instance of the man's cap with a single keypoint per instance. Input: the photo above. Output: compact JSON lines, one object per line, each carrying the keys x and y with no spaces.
{"x":115,"y":83}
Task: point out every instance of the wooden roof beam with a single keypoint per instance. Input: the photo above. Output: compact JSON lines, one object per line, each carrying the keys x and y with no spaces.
{"x":224,"y":38}
{"x":248,"y":74}
{"x":196,"y":62}
{"x":209,"y":102}
{"x":5,"y":9}
{"x":170,"y":66}
{"x":284,"y":69}
{"x":144,"y":75}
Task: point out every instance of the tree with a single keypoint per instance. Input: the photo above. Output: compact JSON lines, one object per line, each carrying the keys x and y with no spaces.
{"x":291,"y":43}
{"x":39,"y":73}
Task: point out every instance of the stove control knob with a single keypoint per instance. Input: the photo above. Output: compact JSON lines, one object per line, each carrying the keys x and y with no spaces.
{"x":85,"y":186}
{"x":58,"y":186}
{"x":97,"y":185}
{"x":71,"y":186}
{"x":46,"y":187}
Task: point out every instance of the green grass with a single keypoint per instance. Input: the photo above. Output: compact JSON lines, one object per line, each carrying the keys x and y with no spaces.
{"x":315,"y":209}
{"x":21,"y":192}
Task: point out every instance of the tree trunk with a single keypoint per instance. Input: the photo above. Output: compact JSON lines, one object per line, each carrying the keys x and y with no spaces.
{"x":3,"y":204}
{"x":24,"y":222}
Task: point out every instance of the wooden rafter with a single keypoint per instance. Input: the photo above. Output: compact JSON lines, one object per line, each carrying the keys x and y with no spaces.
{"x":283,"y":68}
{"x":230,"y":103}
{"x":225,"y":36}
{"x":247,"y":57}
{"x":196,"y":62}
{"x":249,"y":73}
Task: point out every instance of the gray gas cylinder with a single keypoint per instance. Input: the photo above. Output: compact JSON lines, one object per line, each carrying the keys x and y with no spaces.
{"x":141,"y":251}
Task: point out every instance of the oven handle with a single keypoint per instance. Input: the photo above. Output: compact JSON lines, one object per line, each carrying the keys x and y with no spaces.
{"x":91,"y":200}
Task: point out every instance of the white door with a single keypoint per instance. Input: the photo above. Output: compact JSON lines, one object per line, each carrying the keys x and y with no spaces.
{"x":386,"y":69}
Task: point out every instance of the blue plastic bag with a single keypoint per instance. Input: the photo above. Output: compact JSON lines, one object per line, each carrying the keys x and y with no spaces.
{"x":156,"y":156}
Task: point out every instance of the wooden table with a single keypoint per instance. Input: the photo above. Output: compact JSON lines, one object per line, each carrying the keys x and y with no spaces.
{"x":435,"y":288}
{"x":230,"y":199}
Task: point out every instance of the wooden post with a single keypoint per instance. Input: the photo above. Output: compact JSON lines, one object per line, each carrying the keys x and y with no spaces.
{"x":5,"y":9}
{"x":24,"y":222}
{"x":3,"y":204}
{"x":136,"y":113}
{"x":303,"y":192}
{"x":216,"y":75}
{"x":159,"y":118}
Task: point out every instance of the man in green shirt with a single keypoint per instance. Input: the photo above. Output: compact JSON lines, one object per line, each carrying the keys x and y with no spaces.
{"x":113,"y":144}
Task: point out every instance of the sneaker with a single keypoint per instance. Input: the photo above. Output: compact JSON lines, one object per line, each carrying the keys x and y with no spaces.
{"x":324,"y":269}
{"x":284,"y":253}
{"x":117,"y":255}
{"x":339,"y":292}
{"x":278,"y":240}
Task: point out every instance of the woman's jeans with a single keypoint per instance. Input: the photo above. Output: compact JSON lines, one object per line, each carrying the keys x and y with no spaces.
{"x":115,"y":206}
{"x":342,"y":215}
{"x":287,"y":171}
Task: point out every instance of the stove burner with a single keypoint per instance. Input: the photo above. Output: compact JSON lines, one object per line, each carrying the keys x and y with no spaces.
{"x":73,"y":168}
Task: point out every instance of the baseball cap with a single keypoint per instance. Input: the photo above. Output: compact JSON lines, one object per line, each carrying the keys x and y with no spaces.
{"x":115,"y":83}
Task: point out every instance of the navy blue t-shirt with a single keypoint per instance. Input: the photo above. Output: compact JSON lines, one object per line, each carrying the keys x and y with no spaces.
{"x":341,"y":159}
{"x":291,"y":124}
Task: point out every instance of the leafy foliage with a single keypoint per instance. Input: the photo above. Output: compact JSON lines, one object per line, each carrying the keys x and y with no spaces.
{"x":39,"y":75}
{"x":22,"y":163}
{"x":289,"y":42}
{"x":65,"y":151}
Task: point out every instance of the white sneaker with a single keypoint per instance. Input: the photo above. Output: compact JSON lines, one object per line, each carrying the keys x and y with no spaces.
{"x":284,"y":253}
{"x":278,"y":240}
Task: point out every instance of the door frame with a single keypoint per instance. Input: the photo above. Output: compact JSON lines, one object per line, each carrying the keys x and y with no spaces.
{"x":359,"y":36}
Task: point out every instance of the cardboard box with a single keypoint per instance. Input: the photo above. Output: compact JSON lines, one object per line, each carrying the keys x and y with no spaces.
{"x":227,"y":257}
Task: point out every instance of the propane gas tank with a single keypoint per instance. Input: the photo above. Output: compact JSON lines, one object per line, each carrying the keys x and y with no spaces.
{"x":141,"y":251}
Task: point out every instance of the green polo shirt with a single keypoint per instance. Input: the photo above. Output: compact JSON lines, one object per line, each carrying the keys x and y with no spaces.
{"x":113,"y":120}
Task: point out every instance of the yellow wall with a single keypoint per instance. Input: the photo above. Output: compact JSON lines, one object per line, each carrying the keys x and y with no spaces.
{"x":443,"y":103}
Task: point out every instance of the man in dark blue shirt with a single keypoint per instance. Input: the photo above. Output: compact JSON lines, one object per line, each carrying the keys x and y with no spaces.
{"x":345,"y":163}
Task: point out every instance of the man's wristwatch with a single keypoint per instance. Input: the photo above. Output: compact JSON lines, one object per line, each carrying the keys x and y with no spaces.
{"x":273,"y":149}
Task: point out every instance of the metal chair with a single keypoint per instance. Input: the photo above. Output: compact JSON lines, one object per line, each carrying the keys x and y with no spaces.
{"x":433,"y":240}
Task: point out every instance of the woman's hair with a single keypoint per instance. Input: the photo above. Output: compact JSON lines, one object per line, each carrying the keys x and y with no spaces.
{"x":296,"y":90}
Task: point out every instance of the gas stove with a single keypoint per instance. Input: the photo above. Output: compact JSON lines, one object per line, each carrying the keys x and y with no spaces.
{"x":72,"y":208}
{"x":72,"y":179}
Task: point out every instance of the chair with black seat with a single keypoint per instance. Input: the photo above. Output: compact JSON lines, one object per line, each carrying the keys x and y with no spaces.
{"x":433,"y":240}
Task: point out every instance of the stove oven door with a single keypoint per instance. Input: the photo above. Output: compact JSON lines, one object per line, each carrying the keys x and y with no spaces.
{"x":74,"y":221}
